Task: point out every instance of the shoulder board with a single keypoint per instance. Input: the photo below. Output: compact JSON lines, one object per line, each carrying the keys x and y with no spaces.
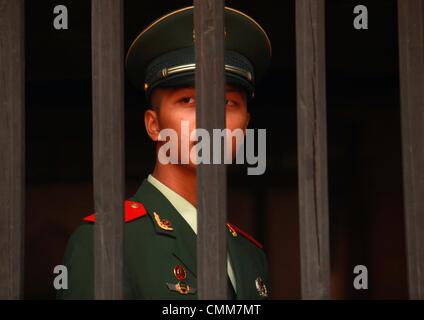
{"x":248,"y":237}
{"x":133,"y":210}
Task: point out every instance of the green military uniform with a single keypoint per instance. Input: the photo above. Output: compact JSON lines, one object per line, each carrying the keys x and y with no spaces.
{"x":161,"y":226}
{"x":158,"y":243}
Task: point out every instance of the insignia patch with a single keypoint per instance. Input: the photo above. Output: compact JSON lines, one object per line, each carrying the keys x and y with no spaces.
{"x":133,"y":211}
{"x":181,"y":287}
{"x":163,"y":223}
{"x":261,"y":287}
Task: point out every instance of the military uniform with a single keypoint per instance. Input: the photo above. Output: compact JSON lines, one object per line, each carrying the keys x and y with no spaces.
{"x":160,"y":253}
{"x":161,"y":226}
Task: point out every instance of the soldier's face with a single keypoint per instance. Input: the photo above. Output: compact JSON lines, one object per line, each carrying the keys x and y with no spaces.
{"x":173,"y":106}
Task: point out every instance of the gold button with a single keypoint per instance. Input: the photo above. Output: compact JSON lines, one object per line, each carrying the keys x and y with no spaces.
{"x":134,"y":205}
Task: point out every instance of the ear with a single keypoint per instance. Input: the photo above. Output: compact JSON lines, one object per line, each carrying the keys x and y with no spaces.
{"x":151,"y":123}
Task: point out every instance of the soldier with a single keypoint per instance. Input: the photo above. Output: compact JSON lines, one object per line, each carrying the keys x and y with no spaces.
{"x":161,"y":219}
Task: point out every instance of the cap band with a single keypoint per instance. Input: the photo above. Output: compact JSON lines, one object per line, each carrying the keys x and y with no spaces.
{"x":165,"y":72}
{"x":178,"y":68}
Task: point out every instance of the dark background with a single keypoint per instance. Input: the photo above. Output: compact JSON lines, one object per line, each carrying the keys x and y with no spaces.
{"x":364,"y":150}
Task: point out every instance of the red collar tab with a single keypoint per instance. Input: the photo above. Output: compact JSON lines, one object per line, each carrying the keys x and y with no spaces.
{"x":133,"y":210}
{"x":244,"y":234}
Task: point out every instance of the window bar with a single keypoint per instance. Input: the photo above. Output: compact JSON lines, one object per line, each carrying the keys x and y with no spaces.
{"x":211,"y":179}
{"x":312,"y":149}
{"x":108,"y":145}
{"x":12,"y":146}
{"x":411,"y":63}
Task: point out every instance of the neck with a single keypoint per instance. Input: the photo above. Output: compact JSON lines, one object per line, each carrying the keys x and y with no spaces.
{"x":181,"y":179}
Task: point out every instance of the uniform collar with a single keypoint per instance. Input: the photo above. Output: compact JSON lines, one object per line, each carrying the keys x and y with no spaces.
{"x":184,"y":207}
{"x":185,"y":239}
{"x":160,"y":199}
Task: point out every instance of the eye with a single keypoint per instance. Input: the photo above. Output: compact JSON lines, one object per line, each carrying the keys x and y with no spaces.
{"x":230,"y":102}
{"x":187,"y":100}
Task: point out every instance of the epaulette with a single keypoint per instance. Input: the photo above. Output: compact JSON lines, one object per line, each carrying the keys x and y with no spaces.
{"x":244,"y":234}
{"x":133,"y":210}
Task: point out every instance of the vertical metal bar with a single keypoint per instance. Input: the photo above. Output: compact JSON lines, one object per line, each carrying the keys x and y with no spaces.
{"x":312,"y":149}
{"x":411,"y":56}
{"x":211,"y":179}
{"x":12,"y":147}
{"x":108,"y":145}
